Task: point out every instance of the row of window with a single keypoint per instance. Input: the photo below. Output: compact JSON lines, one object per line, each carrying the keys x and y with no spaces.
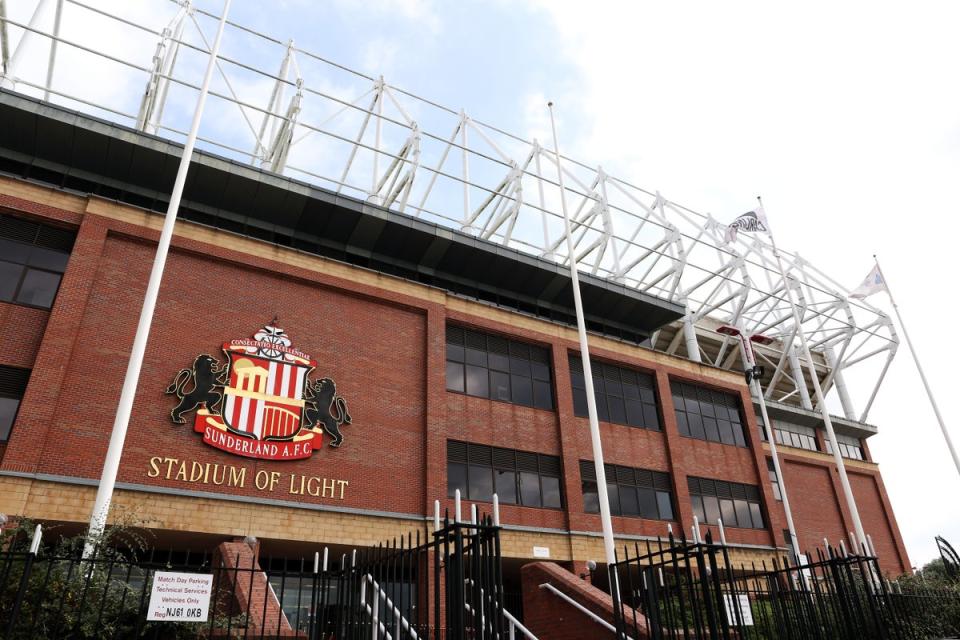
{"x":488,"y":366}
{"x":802,"y":437}
{"x":849,"y":447}
{"x":33,"y":258}
{"x":534,"y":480}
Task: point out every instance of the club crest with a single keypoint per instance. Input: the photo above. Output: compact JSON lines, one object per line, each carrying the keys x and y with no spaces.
{"x":262,"y":402}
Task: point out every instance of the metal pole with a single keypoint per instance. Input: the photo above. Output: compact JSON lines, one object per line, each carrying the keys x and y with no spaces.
{"x":53,"y":50}
{"x":605,"y":521}
{"x":923,"y":378}
{"x":768,"y":429}
{"x":111,"y":463}
{"x":4,"y":41}
{"x":818,"y":392}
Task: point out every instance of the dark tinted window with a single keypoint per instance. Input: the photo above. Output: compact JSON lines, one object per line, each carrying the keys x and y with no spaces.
{"x":624,"y":396}
{"x":33,"y":258}
{"x":493,"y":367}
{"x":13,"y":384}
{"x":517,"y":477}
{"x":737,"y":504}
{"x":706,"y":414}
{"x":639,"y":493}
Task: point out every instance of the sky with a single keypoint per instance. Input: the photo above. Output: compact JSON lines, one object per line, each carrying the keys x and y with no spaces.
{"x":845,"y":117}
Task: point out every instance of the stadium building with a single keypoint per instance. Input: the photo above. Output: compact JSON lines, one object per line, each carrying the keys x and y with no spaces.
{"x":325,"y":365}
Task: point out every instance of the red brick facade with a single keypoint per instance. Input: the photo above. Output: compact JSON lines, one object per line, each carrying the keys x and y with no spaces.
{"x":384,"y":347}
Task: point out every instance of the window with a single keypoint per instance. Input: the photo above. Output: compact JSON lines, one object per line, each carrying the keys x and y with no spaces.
{"x":773,"y":480}
{"x":13,"y":383}
{"x":517,"y":477}
{"x":849,"y":447}
{"x":497,"y":368}
{"x":738,"y":504}
{"x":33,"y":258}
{"x":623,"y":395}
{"x":707,"y":415}
{"x":637,"y":493}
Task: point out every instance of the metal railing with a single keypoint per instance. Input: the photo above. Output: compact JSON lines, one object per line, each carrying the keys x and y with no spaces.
{"x":448,"y":587}
{"x":675,"y":589}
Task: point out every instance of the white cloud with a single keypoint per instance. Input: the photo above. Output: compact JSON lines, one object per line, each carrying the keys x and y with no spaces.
{"x":846,"y":118}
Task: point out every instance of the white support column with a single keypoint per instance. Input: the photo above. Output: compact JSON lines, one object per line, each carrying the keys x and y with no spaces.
{"x":466,"y":164}
{"x":796,"y":372}
{"x":4,"y":39}
{"x":51,"y":63}
{"x":9,"y":79}
{"x":848,"y":411}
{"x":111,"y":463}
{"x":690,"y":336}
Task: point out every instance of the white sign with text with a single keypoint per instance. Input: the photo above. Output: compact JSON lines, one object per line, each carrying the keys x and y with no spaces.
{"x":180,"y":597}
{"x":741,"y":603}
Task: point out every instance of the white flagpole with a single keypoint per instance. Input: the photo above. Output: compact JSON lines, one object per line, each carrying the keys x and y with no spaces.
{"x":772,"y":441}
{"x":108,"y":477}
{"x":818,"y":391}
{"x":916,"y":360}
{"x":605,"y":521}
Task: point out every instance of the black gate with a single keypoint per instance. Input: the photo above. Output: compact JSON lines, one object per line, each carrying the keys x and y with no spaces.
{"x":673,"y":589}
{"x":447,"y":587}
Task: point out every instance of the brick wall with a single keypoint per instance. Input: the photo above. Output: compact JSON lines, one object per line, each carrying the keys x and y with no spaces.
{"x":382,"y":340}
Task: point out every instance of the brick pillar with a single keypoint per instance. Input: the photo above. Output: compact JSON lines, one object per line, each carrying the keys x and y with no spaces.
{"x":39,"y":408}
{"x":675,"y":445}
{"x":242,"y":587}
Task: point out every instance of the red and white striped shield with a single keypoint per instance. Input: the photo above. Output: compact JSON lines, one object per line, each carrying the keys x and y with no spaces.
{"x":264,"y":396}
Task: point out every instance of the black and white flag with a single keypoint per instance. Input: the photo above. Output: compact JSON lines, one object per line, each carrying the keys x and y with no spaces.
{"x":750,"y":222}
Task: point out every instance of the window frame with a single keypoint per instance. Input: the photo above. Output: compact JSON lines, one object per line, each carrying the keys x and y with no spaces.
{"x":693,"y":422}
{"x":846,"y":447}
{"x":522,"y":368}
{"x":618,"y":478}
{"x":500,"y":459}
{"x":42,"y":237}
{"x":13,"y":386}
{"x":603,"y":381}
{"x":724,"y":490}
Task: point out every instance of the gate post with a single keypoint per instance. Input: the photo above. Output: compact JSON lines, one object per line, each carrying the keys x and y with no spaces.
{"x":24,"y":579}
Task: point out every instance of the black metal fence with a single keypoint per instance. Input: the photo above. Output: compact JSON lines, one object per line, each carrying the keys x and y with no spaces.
{"x":447,"y":587}
{"x":674,"y":589}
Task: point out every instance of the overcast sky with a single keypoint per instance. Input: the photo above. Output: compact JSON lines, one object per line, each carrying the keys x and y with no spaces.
{"x":844,"y":116}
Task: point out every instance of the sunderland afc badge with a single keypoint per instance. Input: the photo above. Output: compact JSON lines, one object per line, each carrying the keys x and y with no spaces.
{"x":261,"y":403}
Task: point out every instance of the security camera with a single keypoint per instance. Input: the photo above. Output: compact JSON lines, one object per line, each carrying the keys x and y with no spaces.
{"x":591,"y":565}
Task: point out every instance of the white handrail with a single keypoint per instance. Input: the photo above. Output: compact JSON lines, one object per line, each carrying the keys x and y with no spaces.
{"x":511,"y":620}
{"x":516,"y":624}
{"x":379,"y":628}
{"x":552,"y":589}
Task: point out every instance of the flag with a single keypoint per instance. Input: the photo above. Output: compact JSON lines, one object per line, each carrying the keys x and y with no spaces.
{"x":872,"y":284}
{"x":751,"y":221}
